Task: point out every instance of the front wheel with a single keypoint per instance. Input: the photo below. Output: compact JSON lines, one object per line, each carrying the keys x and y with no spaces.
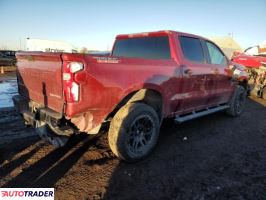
{"x":134,"y":131}
{"x":238,"y":102}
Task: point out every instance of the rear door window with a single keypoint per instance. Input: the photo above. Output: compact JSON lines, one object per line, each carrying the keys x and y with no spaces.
{"x":192,"y":49}
{"x":143,"y":47}
{"x":216,"y":56}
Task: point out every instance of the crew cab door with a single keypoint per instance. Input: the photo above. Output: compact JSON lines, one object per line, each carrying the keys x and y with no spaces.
{"x":196,"y":75}
{"x":220,"y":86}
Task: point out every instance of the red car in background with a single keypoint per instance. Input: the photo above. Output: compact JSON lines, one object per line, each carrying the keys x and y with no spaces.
{"x":254,"y":59}
{"x":250,"y":61}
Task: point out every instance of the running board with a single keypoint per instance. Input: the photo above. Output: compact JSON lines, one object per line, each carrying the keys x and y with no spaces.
{"x":197,"y":114}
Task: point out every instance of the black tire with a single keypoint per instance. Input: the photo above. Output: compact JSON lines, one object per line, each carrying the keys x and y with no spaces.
{"x":134,"y":131}
{"x":238,"y":101}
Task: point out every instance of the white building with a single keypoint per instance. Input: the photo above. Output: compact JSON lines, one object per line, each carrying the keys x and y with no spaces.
{"x":49,"y":46}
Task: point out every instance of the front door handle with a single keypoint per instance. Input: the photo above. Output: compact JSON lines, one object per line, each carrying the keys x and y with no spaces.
{"x":188,"y":72}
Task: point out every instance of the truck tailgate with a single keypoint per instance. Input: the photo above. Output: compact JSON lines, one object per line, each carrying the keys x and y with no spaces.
{"x":40,"y":78}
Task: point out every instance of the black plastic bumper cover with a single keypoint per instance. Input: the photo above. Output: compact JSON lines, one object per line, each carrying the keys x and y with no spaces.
{"x":22,"y":106}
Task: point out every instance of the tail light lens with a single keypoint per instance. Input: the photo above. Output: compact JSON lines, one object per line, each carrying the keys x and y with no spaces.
{"x":71,"y":88}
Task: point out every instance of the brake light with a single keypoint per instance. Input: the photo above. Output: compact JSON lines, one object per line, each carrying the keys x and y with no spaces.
{"x":71,"y":88}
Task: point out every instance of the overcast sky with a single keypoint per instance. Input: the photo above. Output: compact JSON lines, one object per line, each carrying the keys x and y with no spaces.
{"x":94,"y":24}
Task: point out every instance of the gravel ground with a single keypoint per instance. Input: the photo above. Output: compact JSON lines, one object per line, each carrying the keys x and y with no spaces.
{"x":214,"y":157}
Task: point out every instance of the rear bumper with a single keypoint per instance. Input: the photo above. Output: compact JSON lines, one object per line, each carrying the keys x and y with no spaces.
{"x":32,"y":112}
{"x":37,"y":115}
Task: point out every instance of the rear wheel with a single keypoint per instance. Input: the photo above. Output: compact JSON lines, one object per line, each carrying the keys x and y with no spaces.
{"x":134,"y":131}
{"x":238,"y":102}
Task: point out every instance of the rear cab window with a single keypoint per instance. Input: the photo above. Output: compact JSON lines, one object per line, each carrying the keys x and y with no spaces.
{"x":192,"y":49}
{"x":143,"y":47}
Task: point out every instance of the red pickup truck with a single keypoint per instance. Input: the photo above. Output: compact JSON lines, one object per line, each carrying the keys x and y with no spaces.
{"x":147,"y":77}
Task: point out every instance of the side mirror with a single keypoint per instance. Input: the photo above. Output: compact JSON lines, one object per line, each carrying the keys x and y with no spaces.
{"x":236,"y":53}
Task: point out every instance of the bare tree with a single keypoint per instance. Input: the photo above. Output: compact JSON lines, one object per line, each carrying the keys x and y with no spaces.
{"x":84,"y":50}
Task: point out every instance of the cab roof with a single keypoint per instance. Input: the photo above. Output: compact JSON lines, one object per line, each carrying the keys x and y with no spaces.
{"x":157,"y":33}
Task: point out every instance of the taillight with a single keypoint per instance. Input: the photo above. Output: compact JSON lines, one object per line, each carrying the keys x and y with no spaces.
{"x":71,"y":88}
